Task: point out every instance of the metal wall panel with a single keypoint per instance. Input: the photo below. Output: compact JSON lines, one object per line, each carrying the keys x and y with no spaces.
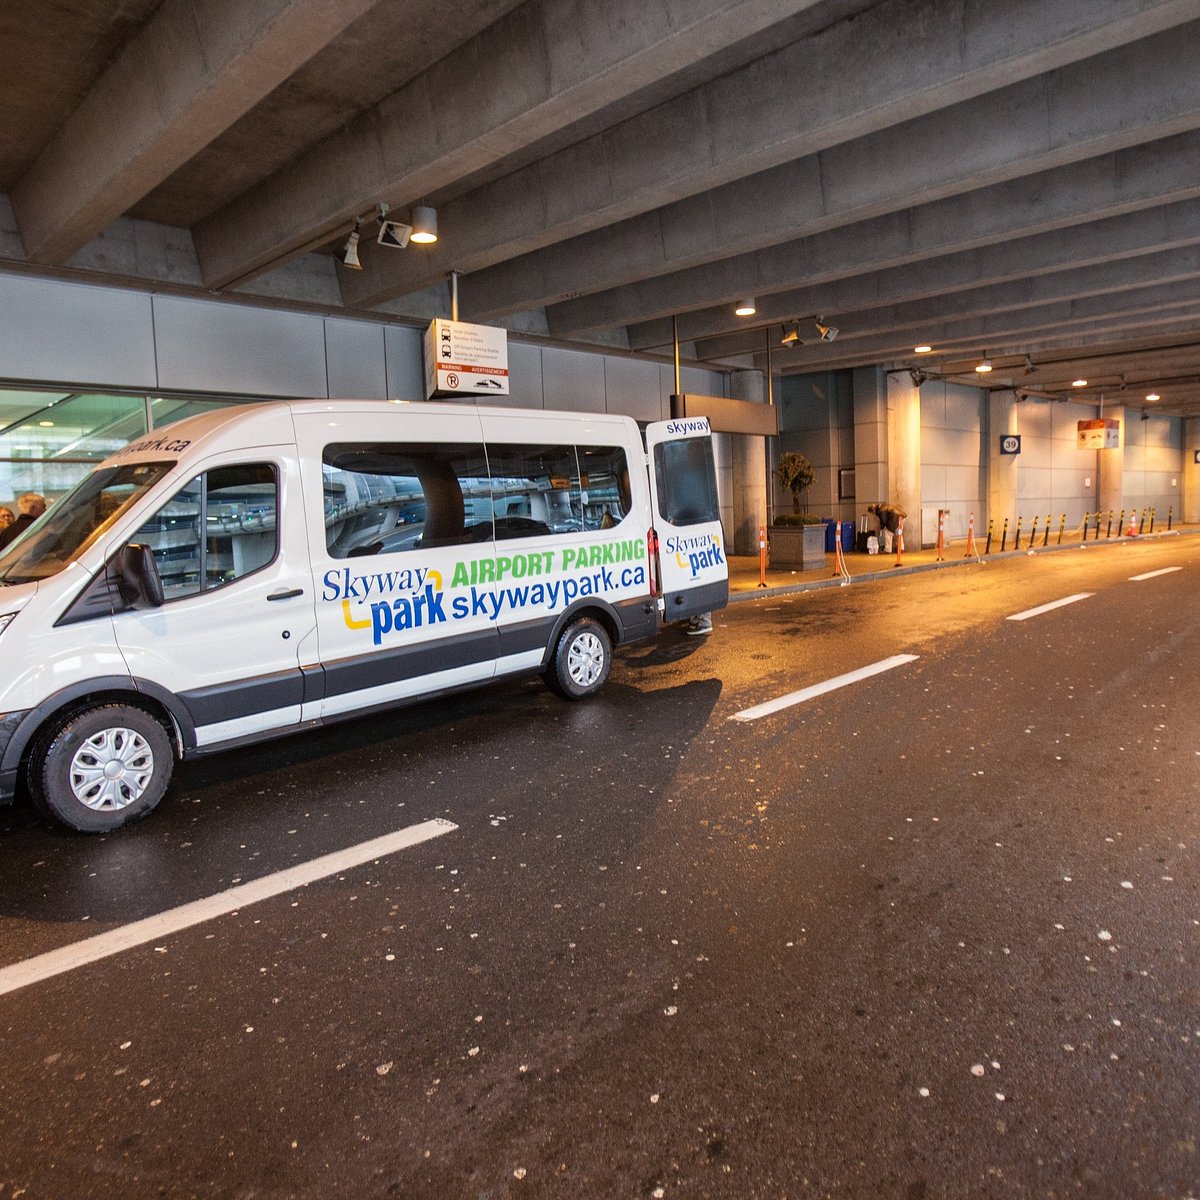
{"x":69,"y":333}
{"x":405,"y":362}
{"x":355,"y":362}
{"x":572,"y":380}
{"x":631,"y":388}
{"x":208,"y":346}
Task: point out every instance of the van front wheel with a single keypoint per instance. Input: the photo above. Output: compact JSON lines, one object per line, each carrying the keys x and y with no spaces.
{"x":101,"y":768}
{"x":581,"y":660}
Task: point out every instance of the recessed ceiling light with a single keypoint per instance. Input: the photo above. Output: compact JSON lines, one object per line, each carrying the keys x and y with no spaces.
{"x":1079,"y":383}
{"x":1153,"y":396}
{"x":745,"y":308}
{"x":984,"y":366}
{"x":922,"y":349}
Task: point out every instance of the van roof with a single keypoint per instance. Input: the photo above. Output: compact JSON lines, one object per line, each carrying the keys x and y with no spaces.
{"x":268,"y":422}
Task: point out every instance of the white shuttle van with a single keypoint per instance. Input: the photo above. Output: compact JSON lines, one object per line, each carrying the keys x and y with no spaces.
{"x":264,"y":569}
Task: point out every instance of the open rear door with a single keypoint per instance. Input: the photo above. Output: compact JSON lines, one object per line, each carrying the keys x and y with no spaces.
{"x":693,"y":571}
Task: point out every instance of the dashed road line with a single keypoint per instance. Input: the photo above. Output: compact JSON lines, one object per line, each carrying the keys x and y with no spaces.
{"x":1154,"y":574}
{"x":820,"y":689}
{"x":164,"y":924}
{"x":1045,"y":608}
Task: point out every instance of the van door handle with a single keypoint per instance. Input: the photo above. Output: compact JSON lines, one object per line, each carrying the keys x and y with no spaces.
{"x":286,"y":595}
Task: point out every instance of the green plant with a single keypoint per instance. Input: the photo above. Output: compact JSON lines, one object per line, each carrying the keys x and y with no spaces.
{"x":793,"y":520}
{"x":795,"y":475}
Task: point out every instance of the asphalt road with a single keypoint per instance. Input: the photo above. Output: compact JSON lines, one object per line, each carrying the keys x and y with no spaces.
{"x":932,"y":934}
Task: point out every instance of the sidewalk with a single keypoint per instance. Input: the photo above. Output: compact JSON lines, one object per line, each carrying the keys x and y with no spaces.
{"x":865,"y":568}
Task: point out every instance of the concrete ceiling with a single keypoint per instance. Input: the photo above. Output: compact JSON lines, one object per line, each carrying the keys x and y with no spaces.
{"x":1019,"y":178}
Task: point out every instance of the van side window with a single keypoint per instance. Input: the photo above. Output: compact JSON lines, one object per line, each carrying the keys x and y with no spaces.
{"x":381,"y":497}
{"x":604,"y":482}
{"x":535,"y":490}
{"x":687,"y":493}
{"x":219,"y":527}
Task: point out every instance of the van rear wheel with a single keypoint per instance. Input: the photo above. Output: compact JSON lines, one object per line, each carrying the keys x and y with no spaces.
{"x":101,"y":768}
{"x":581,"y":661}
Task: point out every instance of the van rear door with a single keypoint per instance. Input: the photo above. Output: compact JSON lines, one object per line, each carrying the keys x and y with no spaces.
{"x":693,"y":572}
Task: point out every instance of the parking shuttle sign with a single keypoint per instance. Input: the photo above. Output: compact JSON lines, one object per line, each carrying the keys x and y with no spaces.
{"x":465,"y":360}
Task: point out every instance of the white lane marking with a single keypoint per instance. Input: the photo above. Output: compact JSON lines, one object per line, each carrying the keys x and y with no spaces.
{"x":1153,"y":574}
{"x":1045,"y":608}
{"x":819,"y":689}
{"x":164,"y":924}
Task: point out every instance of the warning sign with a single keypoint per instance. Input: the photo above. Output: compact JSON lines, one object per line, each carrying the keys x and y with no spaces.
{"x":1104,"y":434}
{"x":463,"y":359}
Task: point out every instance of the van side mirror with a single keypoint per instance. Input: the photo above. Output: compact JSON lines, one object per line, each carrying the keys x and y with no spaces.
{"x":137,"y":575}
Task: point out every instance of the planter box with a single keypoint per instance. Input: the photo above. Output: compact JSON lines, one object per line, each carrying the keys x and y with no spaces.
{"x":800,"y":546}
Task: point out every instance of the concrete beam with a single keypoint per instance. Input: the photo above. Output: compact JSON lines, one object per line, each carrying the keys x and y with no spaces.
{"x":1144,"y":176}
{"x":997,"y":333}
{"x":1144,"y":91}
{"x":1103,"y":278}
{"x":1141,"y":233}
{"x":545,"y":65}
{"x":187,"y":75}
{"x":851,"y":79}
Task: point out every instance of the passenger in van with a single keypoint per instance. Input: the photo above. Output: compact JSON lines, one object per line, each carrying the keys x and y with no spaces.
{"x":7,"y":517}
{"x":30,"y":506}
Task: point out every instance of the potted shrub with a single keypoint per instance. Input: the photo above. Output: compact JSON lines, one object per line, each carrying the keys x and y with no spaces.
{"x":797,"y":538}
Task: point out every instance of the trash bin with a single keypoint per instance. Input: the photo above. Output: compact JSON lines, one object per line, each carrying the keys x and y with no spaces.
{"x":830,"y":534}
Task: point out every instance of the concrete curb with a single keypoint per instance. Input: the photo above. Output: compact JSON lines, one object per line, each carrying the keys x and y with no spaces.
{"x":788,"y":589}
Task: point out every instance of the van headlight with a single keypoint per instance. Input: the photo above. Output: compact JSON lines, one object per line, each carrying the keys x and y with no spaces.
{"x":4,"y":620}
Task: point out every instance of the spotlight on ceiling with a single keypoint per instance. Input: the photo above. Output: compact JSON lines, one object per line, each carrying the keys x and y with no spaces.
{"x":745,"y":308}
{"x":1079,"y":383}
{"x":424,"y":225}
{"x":1153,"y":396}
{"x":922,"y":349}
{"x":791,"y":334}
{"x":347,"y":255}
{"x":984,"y":365}
{"x":827,"y":332}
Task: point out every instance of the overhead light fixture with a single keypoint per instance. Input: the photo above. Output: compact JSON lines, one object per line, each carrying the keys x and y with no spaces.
{"x":347,"y":255}
{"x":1153,"y":396}
{"x":984,"y":365}
{"x":791,"y":334}
{"x":827,"y":332}
{"x":1079,"y":383}
{"x":922,"y":349}
{"x":424,"y":225}
{"x":745,"y":308}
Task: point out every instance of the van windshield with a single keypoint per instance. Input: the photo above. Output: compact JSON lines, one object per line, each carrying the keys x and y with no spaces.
{"x":71,"y":524}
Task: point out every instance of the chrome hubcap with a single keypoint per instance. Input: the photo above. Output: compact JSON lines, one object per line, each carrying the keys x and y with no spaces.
{"x":585,"y":659}
{"x":111,"y":769}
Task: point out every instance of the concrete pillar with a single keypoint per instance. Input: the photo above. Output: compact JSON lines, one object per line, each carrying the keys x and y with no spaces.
{"x":904,"y":452}
{"x":1111,"y":469}
{"x":1190,"y":492}
{"x":749,"y":469}
{"x":870,"y":437}
{"x":1003,"y":419}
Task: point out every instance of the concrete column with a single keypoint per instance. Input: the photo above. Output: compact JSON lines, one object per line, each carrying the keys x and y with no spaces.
{"x":1190,"y":491}
{"x":870,"y":437}
{"x":749,"y":469}
{"x":904,"y":452}
{"x":1111,"y":469}
{"x":1003,"y":419}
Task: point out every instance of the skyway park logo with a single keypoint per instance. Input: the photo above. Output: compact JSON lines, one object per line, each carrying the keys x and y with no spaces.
{"x":388,"y":602}
{"x":696,"y":553}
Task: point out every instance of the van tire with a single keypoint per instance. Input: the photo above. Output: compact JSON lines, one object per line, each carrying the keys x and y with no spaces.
{"x":101,"y":768}
{"x":581,"y":661}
